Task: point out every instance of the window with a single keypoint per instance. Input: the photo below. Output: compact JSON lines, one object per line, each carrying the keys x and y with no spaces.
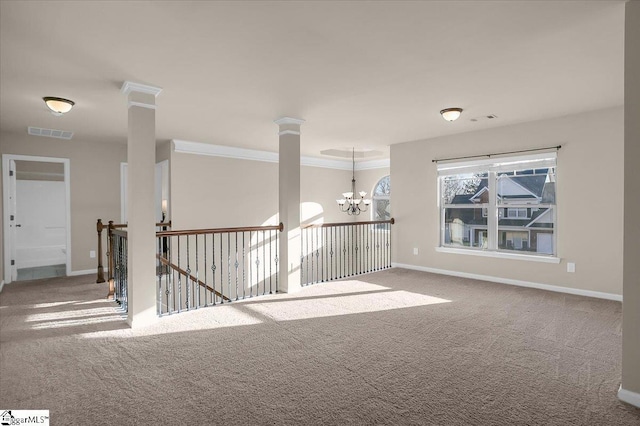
{"x":381,"y":207}
{"x":500,"y":205}
{"x":517,"y":213}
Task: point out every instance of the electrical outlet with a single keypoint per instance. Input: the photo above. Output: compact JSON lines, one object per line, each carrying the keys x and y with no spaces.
{"x":415,"y":251}
{"x":571,"y":267}
{"x":92,"y":254}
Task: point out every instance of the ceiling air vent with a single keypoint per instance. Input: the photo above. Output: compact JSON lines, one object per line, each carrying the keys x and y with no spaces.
{"x":484,"y":117}
{"x":50,"y":133}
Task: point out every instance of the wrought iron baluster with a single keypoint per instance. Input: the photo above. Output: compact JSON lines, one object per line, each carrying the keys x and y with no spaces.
{"x":236,"y":265}
{"x":125,"y":291}
{"x":179,"y":280}
{"x":229,"y":265}
{"x":257,"y":264}
{"x":250,"y":264}
{"x":159,"y":273}
{"x":312,"y":254}
{"x":204,"y":246}
{"x":331,"y":252}
{"x":325,"y":254}
{"x":197,"y":284}
{"x":276,"y":259}
{"x":270,"y":260}
{"x":188,"y":282}
{"x":221,"y":271}
{"x":388,"y":245}
{"x":172,"y":293}
{"x":213,"y":268}
{"x":264,"y":266}
{"x":244,"y":281}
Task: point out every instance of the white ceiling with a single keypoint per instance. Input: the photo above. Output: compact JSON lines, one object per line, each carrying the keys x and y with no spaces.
{"x":363,"y":74}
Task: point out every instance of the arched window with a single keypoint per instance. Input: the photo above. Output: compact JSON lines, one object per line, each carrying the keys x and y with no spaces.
{"x":381,"y":200}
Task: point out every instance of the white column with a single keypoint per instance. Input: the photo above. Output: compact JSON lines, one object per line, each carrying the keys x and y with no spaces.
{"x":630,"y":387}
{"x":289,"y":203}
{"x":141,"y":240}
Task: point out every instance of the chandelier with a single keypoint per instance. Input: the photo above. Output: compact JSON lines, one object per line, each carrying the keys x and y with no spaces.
{"x":350,"y":204}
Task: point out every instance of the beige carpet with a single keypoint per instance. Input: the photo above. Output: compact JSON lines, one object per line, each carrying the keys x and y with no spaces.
{"x":395,"y":347}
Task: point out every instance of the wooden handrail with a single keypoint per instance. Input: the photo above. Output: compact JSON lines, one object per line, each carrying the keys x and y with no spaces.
{"x":158,"y":224}
{"x":369,"y":222}
{"x":166,"y":262}
{"x":279,"y":227}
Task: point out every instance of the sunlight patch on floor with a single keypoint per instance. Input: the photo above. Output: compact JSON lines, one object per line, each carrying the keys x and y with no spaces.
{"x":209,"y":318}
{"x":315,"y":301}
{"x":344,"y":305}
{"x":75,"y":322}
{"x":61,"y":315}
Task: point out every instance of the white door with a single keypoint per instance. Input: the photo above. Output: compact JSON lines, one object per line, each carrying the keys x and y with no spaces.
{"x":12,"y":219}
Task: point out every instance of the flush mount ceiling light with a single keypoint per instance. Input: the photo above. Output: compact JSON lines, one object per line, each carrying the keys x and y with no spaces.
{"x":58,"y":106}
{"x":451,"y":114}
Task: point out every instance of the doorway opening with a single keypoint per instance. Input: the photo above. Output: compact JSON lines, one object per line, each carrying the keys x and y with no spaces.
{"x":36,"y":198}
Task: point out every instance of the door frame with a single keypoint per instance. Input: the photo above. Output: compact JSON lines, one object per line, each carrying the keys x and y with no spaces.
{"x":5,"y":207}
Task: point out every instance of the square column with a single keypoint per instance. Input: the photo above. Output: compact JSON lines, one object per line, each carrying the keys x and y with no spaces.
{"x":289,"y":203}
{"x":141,"y":231}
{"x":630,"y":387}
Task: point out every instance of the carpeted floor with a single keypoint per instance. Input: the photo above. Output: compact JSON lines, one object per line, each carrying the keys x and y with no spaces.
{"x":395,"y":347}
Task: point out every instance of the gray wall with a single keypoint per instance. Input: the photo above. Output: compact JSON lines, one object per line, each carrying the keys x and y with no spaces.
{"x":589,"y":194}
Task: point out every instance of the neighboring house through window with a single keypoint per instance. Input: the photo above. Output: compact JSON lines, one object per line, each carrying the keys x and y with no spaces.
{"x":504,"y":204}
{"x":381,"y":200}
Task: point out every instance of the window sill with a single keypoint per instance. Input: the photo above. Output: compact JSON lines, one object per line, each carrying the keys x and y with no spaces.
{"x":500,"y":255}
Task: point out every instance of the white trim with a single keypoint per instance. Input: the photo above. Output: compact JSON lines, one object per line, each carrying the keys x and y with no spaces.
{"x":85,"y":272}
{"x":130,"y":86}
{"x":373,"y":164}
{"x":289,"y":132}
{"x":141,"y":105}
{"x":289,"y":120}
{"x":198,"y":148}
{"x":629,"y":397}
{"x":549,"y":210}
{"x":325,"y":163}
{"x":519,"y":283}
{"x":1,"y":285}
{"x":5,"y":198}
{"x":500,"y":255}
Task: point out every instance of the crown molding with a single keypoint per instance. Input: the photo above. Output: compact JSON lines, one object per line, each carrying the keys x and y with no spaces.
{"x":373,"y":164}
{"x":289,"y":120}
{"x":199,"y":148}
{"x":325,"y":163}
{"x":130,"y":86}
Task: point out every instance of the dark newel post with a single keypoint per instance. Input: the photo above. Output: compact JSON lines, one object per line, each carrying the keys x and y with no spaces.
{"x":99,"y":227}
{"x":111,"y":259}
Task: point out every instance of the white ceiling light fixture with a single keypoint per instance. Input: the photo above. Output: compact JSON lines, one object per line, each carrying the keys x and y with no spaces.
{"x":58,"y":106}
{"x":451,"y":114}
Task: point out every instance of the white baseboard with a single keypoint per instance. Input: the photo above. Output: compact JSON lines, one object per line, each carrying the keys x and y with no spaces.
{"x":85,"y":272}
{"x":519,"y":283}
{"x":629,"y":397}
